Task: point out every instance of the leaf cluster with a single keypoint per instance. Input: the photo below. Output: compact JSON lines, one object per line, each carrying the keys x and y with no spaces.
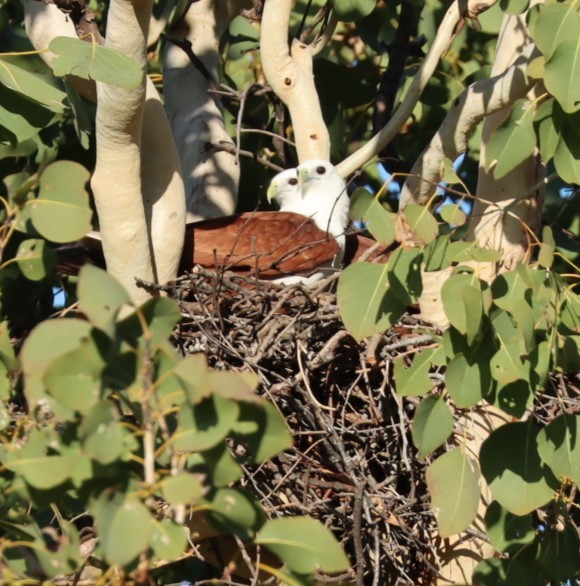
{"x":147,"y":445}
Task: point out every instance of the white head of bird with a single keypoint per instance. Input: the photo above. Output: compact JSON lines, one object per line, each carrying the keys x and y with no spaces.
{"x":285,"y":189}
{"x":324,"y":196}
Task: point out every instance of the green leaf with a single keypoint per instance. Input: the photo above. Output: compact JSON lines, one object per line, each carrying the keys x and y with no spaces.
{"x":507,"y":365}
{"x":414,"y":380}
{"x":560,"y":553}
{"x":206,"y":424}
{"x":61,"y":212}
{"x":559,"y":446}
{"x":168,"y":540}
{"x":547,"y":248}
{"x":74,"y":379}
{"x":235,"y":511}
{"x":224,"y":468}
{"x":567,"y":154}
{"x":552,"y":23}
{"x":303,"y":544}
{"x":422,"y":223}
{"x":511,"y":465}
{"x":35,"y":258}
{"x":93,"y":61}
{"x":562,"y":74}
{"x":453,"y":482}
{"x":271,"y":435}
{"x":367,"y":305}
{"x":20,"y":118}
{"x":125,"y":527}
{"x":349,"y":10}
{"x":463,"y":302}
{"x":108,"y":443}
{"x":366,"y":208}
{"x":44,"y":472}
{"x":46,"y":343}
{"x":507,"y":532}
{"x":33,"y":86}
{"x":100,"y":297}
{"x":182,"y":489}
{"x":546,"y":132}
{"x":234,"y":385}
{"x":404,"y":275}
{"x":194,"y":376}
{"x":453,"y":215}
{"x":508,"y":289}
{"x":467,"y":383}
{"x":512,"y":142}
{"x":159,"y":314}
{"x":432,"y":425}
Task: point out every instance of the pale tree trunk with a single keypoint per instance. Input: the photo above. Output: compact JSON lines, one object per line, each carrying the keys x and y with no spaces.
{"x":211,"y":176}
{"x":288,"y":70}
{"x":137,"y":183}
{"x":504,"y":207}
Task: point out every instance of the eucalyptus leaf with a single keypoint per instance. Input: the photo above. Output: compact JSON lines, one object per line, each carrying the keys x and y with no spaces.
{"x":512,"y":142}
{"x":33,"y":86}
{"x":90,"y":60}
{"x":101,"y":297}
{"x":367,"y":209}
{"x":366,"y":303}
{"x":61,"y":212}
{"x":421,"y":223}
{"x":559,"y":446}
{"x":453,"y":482}
{"x":35,"y":258}
{"x":512,"y":467}
{"x":432,"y":425}
{"x":303,"y":544}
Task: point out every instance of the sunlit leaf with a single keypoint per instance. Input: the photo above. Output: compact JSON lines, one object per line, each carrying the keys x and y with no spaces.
{"x":90,"y":60}
{"x":33,"y":86}
{"x":100,"y":297}
{"x":303,"y":544}
{"x":413,"y":380}
{"x":182,"y":489}
{"x":559,"y":446}
{"x":512,"y":142}
{"x":35,"y":258}
{"x":421,"y":223}
{"x":366,"y":304}
{"x":125,"y":527}
{"x":562,"y":74}
{"x":61,"y":212}
{"x":512,"y":467}
{"x":366,"y":208}
{"x":432,"y":425}
{"x":453,"y":482}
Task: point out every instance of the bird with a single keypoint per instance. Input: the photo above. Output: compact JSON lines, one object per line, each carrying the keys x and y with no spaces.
{"x":321,"y":197}
{"x":301,"y":243}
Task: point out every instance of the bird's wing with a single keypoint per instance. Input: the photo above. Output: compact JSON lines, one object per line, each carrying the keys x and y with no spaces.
{"x":267,"y":244}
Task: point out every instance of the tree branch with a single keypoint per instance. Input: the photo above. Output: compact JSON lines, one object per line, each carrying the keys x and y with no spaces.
{"x":445,"y":36}
{"x":289,"y":72}
{"x":479,"y":100}
{"x":211,"y":182}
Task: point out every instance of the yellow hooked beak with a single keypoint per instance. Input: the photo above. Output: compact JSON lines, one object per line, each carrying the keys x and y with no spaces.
{"x":273,"y":191}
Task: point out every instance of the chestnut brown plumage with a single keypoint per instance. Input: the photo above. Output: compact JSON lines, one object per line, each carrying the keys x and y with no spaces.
{"x":269,"y":245}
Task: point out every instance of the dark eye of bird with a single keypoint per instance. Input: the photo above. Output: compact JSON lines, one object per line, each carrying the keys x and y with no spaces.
{"x":293,"y":181}
{"x":321,"y":170}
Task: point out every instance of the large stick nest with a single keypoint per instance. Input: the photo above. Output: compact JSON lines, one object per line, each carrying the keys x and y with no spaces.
{"x":353,"y":464}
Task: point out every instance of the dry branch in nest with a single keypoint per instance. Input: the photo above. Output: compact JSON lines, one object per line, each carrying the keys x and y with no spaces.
{"x":353,"y":465}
